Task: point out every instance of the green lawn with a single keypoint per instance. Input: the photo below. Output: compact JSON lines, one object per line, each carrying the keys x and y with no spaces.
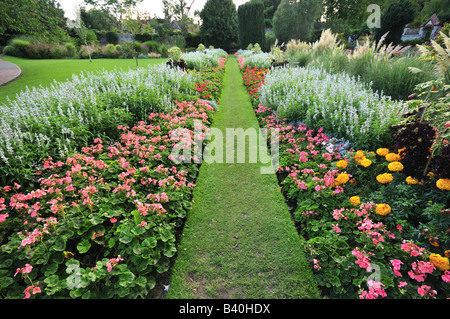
{"x":239,"y":240}
{"x":43,"y":72}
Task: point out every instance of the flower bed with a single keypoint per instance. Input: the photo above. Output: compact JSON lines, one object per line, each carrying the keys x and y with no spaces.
{"x":103,"y":223}
{"x":371,"y":231}
{"x":339,"y":104}
{"x":69,"y":115}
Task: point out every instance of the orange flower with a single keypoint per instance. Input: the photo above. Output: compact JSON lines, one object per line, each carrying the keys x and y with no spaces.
{"x":395,"y":167}
{"x":382,"y":151}
{"x":355,"y":200}
{"x":383,"y":209}
{"x":385,"y":178}
{"x":440,"y":262}
{"x":342,"y":178}
{"x":342,"y":164}
{"x":392,"y":157}
{"x":411,"y":181}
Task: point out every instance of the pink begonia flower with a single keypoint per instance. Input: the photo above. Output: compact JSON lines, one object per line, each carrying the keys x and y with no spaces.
{"x":25,"y":270}
{"x":336,"y":228}
{"x":396,"y":266}
{"x":113,"y":262}
{"x":402,"y":284}
{"x":446,"y":276}
{"x":426,"y":290}
{"x":3,"y":217}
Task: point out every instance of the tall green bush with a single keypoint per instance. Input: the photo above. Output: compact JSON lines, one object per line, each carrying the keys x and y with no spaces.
{"x":220,"y":24}
{"x":251,"y":24}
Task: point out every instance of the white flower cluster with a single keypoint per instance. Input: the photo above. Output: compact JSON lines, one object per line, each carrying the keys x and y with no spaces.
{"x":205,"y":59}
{"x":45,"y":118}
{"x":259,"y":60}
{"x":340,"y":104}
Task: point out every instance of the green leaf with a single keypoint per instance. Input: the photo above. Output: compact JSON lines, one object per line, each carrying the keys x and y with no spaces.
{"x":84,"y":246}
{"x":137,"y":249}
{"x":126,"y":278}
{"x":125,"y":237}
{"x":60,"y":244}
{"x":50,"y":269}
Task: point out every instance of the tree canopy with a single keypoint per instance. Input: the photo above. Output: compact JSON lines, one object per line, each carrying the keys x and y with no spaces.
{"x":251,"y":24}
{"x":219,"y":24}
{"x":39,"y":18}
{"x":295,"y":19}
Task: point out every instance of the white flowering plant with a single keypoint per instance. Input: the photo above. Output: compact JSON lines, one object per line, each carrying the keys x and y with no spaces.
{"x":64,"y":117}
{"x":338,"y":103}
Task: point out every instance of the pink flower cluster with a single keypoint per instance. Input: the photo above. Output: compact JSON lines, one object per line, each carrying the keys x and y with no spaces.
{"x":113,"y":262}
{"x":362,"y":258}
{"x":375,"y":290}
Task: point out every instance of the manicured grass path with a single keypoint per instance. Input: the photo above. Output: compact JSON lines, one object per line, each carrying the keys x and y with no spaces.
{"x":239,"y":240}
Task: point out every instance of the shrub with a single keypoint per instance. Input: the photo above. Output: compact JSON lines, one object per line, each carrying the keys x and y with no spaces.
{"x":71,"y":49}
{"x":152,"y":46}
{"x":112,"y":37}
{"x":11,"y":51}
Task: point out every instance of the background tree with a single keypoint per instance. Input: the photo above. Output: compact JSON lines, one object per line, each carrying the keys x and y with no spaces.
{"x":42,"y":19}
{"x":114,"y":7}
{"x":178,"y":11}
{"x":295,"y":19}
{"x":393,"y":20}
{"x":270,"y":6}
{"x":251,"y":24}
{"x":219,"y":24}
{"x":134,"y":22}
{"x":99,"y":19}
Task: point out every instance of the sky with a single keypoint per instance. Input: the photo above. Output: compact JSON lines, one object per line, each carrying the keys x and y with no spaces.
{"x":154,"y":7}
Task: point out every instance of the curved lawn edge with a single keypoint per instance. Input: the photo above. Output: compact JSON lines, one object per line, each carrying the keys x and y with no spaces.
{"x":239,"y":240}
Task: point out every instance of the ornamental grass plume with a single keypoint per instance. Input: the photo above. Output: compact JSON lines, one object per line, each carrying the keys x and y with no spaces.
{"x":442,"y":263}
{"x":383,"y":209}
{"x":395,"y":167}
{"x":385,"y":178}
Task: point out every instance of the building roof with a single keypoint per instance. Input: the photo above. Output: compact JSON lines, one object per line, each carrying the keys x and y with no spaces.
{"x":434,"y":20}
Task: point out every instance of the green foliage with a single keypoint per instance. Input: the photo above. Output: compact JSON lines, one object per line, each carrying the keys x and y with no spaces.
{"x":295,"y":20}
{"x":40,"y":18}
{"x":251,"y":24}
{"x":393,"y":20}
{"x":99,"y":19}
{"x":220,"y":24}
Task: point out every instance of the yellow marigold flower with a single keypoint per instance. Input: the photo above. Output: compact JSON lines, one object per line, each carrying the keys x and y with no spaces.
{"x":366,"y":162}
{"x":392,"y":157}
{"x":383,"y":209}
{"x":355,"y":200}
{"x":382,"y":151}
{"x":411,"y":180}
{"x":342,"y":164}
{"x":395,"y":166}
{"x":385,"y":178}
{"x":442,"y":263}
{"x":342,"y":178}
{"x":359,"y":156}
{"x":443,"y":183}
